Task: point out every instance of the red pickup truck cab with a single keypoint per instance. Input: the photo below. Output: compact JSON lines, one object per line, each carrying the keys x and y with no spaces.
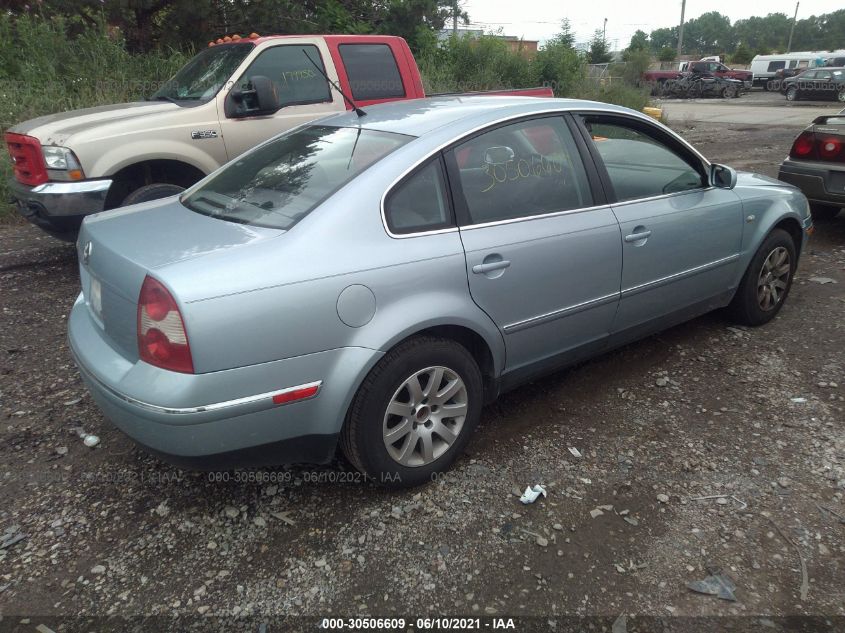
{"x":233,"y":95}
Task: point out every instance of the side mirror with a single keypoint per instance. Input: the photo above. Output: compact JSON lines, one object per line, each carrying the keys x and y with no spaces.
{"x":258,"y":97}
{"x":722,"y":176}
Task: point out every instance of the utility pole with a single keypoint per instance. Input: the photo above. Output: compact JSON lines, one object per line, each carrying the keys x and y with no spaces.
{"x":455,"y":22}
{"x":604,"y":32}
{"x":792,"y":30}
{"x":681,"y":30}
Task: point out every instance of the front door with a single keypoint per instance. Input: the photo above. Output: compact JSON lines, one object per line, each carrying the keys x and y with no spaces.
{"x":543,"y":259}
{"x":680,"y":237}
{"x":303,"y":93}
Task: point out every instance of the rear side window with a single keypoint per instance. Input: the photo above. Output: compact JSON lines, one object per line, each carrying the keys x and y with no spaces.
{"x":519,"y":170}
{"x":639,"y":164}
{"x":372,"y":71}
{"x":295,"y":78}
{"x":419,"y":203}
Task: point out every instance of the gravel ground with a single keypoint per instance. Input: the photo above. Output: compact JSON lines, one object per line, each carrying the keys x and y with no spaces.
{"x":703,"y":410}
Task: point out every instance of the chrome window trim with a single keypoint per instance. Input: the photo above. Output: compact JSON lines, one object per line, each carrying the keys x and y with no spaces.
{"x":558,"y":314}
{"x":644,"y":117}
{"x":662,"y":196}
{"x":541,"y":112}
{"x":440,"y":148}
{"x":689,"y":272}
{"x":540,"y":216}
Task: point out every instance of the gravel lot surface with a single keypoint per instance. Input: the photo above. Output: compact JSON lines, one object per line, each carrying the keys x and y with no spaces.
{"x":709,"y":448}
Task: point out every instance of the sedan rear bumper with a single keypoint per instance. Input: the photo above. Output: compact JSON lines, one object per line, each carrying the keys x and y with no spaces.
{"x":215,"y":420}
{"x":820,"y":182}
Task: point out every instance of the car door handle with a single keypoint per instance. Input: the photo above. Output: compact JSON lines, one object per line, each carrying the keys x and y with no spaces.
{"x":636,"y":237}
{"x":480,"y":269}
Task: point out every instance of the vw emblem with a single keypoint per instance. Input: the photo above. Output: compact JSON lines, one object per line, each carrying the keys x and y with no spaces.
{"x":86,"y":253}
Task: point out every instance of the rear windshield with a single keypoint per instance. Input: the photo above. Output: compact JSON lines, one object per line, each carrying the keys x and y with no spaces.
{"x":279,"y":183}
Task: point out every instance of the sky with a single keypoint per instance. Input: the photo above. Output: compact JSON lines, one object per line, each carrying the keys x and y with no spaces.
{"x":540,"y":19}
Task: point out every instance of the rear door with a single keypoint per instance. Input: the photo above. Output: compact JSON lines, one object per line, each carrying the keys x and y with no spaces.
{"x":680,"y":237}
{"x":303,"y":93}
{"x":823,"y":84}
{"x":543,"y":250}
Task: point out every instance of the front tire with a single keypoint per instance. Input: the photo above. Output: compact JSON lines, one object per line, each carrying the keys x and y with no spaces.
{"x":767,"y":281}
{"x":792,"y":94}
{"x":414,"y":412}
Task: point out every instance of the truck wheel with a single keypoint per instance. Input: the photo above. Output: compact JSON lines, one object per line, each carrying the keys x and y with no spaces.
{"x":766,"y":283}
{"x":154,"y":191}
{"x":823,"y":212}
{"x":414,"y":412}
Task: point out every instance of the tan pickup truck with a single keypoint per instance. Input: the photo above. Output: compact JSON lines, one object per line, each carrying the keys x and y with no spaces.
{"x":231,"y":96}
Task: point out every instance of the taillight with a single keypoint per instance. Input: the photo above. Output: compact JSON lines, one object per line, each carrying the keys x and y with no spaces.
{"x":830,"y":148}
{"x":162,"y":339}
{"x":810,"y":146}
{"x":804,"y":146}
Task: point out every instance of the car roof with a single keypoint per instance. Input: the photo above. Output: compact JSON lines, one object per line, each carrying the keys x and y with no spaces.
{"x":417,"y":117}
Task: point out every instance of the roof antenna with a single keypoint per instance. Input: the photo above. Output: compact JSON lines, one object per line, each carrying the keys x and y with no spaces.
{"x":357,"y":110}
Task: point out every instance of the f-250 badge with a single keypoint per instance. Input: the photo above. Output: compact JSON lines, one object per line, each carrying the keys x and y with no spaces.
{"x":198,"y":134}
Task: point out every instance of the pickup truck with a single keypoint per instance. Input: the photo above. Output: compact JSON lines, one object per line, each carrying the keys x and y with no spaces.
{"x":231,"y":96}
{"x":717,"y":69}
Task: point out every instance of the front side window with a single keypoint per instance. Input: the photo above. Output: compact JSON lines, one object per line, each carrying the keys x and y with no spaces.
{"x":773,"y":66}
{"x":277,"y":184}
{"x":639,"y":164}
{"x":292,"y":73}
{"x":204,"y":74}
{"x":372,"y":71}
{"x":523,"y":169}
{"x":419,"y":203}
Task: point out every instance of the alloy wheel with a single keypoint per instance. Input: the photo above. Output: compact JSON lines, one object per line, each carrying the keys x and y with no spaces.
{"x":425,"y":416}
{"x":773,"y":280}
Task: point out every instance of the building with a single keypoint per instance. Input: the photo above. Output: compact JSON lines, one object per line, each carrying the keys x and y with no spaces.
{"x":516,"y":44}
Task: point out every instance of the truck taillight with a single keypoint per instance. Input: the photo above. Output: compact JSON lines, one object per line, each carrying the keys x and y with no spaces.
{"x":162,"y":339}
{"x":811,"y":146}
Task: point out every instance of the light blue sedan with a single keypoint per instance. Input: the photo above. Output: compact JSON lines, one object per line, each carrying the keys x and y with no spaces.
{"x":371,"y":282}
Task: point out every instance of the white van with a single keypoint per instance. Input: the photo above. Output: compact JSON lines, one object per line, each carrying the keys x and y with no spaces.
{"x":764,"y":67}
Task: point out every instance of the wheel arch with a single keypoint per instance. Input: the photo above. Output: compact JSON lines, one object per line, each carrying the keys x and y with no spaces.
{"x":155,"y":170}
{"x":793,"y":227}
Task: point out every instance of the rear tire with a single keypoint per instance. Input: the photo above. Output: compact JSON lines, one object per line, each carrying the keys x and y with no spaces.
{"x":767,"y":281}
{"x":823,"y":212}
{"x":429,"y":378}
{"x":155,"y":191}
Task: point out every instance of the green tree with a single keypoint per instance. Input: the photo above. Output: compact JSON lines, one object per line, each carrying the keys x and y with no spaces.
{"x":664,"y":38}
{"x":709,"y":33}
{"x":639,"y":41}
{"x":667,"y":54}
{"x":599,"y":52}
{"x":558,"y":65}
{"x":742,"y":55}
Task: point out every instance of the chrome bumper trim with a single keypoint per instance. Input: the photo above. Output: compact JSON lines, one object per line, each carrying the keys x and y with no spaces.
{"x":254,"y":403}
{"x":60,"y":199}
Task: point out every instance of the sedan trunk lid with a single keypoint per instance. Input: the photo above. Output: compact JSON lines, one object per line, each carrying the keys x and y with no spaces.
{"x":118,"y":249}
